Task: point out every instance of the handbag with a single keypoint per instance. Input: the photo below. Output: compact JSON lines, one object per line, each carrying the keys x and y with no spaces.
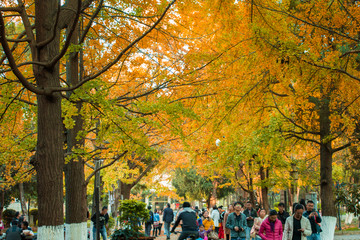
{"x":213,"y":235}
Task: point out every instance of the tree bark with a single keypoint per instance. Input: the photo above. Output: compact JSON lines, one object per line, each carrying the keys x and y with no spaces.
{"x":264,"y":189}
{"x":75,"y":184}
{"x":49,"y":157}
{"x":22,"y":198}
{"x":326,"y":181}
{"x":2,"y":202}
{"x":126,"y":190}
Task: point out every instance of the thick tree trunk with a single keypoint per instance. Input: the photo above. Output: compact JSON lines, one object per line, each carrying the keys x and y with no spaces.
{"x":208,"y":202}
{"x":264,"y":189}
{"x":326,"y":181}
{"x":2,"y":202}
{"x":22,"y":199}
{"x":126,"y":190}
{"x":49,"y":157}
{"x":75,"y":217}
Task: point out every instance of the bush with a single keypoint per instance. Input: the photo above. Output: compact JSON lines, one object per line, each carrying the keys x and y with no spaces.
{"x":8,"y":215}
{"x":34,"y":213}
{"x":131,"y":213}
{"x":111,"y":224}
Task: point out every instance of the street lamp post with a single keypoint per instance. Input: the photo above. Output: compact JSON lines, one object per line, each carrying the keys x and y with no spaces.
{"x":339,"y":217}
{"x":97,"y":198}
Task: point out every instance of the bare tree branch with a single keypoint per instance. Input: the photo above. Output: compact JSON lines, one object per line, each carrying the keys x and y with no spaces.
{"x":109,"y":65}
{"x":12,"y":62}
{"x":10,"y":9}
{"x":341,"y":147}
{"x":88,"y":26}
{"x":28,"y":28}
{"x":104,"y":166}
{"x":68,"y":38}
{"x":302,"y":138}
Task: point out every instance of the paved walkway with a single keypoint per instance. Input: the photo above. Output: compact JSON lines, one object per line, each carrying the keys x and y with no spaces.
{"x":338,"y":237}
{"x":347,"y":237}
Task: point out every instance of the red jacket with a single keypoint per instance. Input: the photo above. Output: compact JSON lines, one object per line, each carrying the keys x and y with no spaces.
{"x":266,"y":233}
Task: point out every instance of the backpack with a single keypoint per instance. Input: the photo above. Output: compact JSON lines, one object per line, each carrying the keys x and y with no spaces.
{"x":151,"y":219}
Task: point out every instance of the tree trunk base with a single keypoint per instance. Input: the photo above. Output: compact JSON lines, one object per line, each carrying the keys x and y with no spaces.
{"x":76,"y":231}
{"x":51,"y":232}
{"x":328,"y":225}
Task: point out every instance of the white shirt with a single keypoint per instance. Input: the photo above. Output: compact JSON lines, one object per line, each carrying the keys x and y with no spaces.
{"x":215,"y":216}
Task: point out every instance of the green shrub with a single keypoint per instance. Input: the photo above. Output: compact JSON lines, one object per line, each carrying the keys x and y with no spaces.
{"x":131,"y":213}
{"x":111,"y":224}
{"x":8,"y":215}
{"x":34,"y":213}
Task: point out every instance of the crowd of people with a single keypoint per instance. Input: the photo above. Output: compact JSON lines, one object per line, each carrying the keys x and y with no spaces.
{"x":19,"y":229}
{"x":241,"y":222}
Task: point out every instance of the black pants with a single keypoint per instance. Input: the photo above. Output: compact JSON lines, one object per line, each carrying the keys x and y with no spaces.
{"x":185,"y":235}
{"x":227,"y":236}
{"x":148,"y":229}
{"x":158,"y":229}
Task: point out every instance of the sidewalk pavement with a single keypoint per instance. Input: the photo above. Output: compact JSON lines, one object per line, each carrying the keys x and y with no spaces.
{"x":347,"y":237}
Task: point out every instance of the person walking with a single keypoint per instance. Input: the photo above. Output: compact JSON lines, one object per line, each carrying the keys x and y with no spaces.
{"x":156,"y":222}
{"x":236,"y":222}
{"x":282,"y":214}
{"x":149,"y":222}
{"x":250,"y":214}
{"x":227,"y":230}
{"x":315,"y":220}
{"x":297,"y":227}
{"x":16,"y":220}
{"x":168,"y":217}
{"x":161,"y":222}
{"x":14,"y":232}
{"x":103,"y":220}
{"x":257,"y":224}
{"x":271,"y":227}
{"x":189,"y":223}
{"x":215,"y":216}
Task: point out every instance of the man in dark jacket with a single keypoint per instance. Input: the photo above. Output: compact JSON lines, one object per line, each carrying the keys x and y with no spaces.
{"x":14,"y":232}
{"x":282,"y":214}
{"x":103,"y":220}
{"x":149,"y":222}
{"x":16,"y":220}
{"x":250,"y":214}
{"x":315,"y":219}
{"x":189,"y":225}
{"x":168,"y":217}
